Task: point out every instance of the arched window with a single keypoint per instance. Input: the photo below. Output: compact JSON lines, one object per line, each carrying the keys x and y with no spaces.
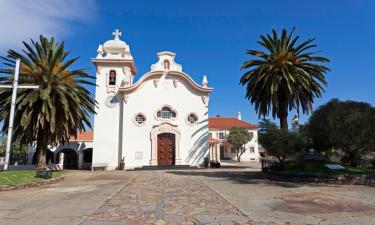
{"x":166,"y":113}
{"x":112,"y":77}
{"x":166,"y":64}
{"x":140,"y":119}
{"x":192,"y":118}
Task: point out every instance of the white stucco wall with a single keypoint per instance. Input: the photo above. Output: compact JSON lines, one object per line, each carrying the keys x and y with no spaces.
{"x":148,"y":100}
{"x":107,"y":118}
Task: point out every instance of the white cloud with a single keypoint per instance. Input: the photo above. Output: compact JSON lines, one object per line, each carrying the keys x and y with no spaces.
{"x":21,"y":20}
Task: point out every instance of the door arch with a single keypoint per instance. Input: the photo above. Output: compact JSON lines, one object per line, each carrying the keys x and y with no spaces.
{"x":165,"y":127}
{"x":70,"y":158}
{"x":166,"y":149}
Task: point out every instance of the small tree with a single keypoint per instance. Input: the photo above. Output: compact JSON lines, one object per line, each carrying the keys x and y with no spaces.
{"x":279,"y":143}
{"x":18,"y":153}
{"x":238,"y":137}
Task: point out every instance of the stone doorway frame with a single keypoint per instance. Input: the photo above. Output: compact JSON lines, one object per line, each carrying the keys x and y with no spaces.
{"x":165,"y":127}
{"x":172,"y":153}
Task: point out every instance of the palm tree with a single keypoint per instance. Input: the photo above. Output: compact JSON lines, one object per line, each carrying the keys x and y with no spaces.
{"x":284,"y":77}
{"x":59,"y":109}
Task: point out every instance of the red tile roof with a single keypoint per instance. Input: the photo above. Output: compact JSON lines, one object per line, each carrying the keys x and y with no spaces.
{"x":225,"y":123}
{"x":84,"y":136}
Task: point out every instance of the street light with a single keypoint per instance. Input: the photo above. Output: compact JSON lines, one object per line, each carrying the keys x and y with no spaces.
{"x":15,"y":86}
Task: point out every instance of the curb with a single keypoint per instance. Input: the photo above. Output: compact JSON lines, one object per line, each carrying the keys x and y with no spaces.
{"x":339,"y":180}
{"x":31,"y":185}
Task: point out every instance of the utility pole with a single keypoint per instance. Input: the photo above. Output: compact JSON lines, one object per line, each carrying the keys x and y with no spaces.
{"x":12,"y":109}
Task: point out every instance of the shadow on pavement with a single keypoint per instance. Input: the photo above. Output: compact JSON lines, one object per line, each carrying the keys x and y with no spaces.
{"x":241,"y":177}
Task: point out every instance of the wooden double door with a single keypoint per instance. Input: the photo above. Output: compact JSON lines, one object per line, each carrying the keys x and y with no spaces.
{"x":166,"y":149}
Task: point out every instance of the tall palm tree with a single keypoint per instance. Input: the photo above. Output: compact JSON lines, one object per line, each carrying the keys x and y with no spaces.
{"x":59,"y":109}
{"x":285,"y":76}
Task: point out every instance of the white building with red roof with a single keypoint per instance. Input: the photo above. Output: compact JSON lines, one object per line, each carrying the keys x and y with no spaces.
{"x":220,"y":148}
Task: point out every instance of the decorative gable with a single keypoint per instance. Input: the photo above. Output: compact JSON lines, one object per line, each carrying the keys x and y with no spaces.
{"x":166,"y":63}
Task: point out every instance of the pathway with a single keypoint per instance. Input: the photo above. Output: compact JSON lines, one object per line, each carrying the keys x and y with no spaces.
{"x":161,"y":197}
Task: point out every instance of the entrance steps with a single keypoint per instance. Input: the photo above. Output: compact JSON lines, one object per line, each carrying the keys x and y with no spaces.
{"x":166,"y":167}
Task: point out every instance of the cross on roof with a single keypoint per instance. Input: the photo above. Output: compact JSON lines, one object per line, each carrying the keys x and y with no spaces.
{"x":117,"y":34}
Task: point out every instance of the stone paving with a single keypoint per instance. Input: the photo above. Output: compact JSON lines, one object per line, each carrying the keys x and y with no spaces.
{"x":158,"y":197}
{"x":269,"y":202}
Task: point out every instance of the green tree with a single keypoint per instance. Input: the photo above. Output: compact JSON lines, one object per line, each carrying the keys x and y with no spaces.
{"x":348,"y":126}
{"x":19,"y":151}
{"x":265,"y":125}
{"x":279,"y":143}
{"x":238,"y":137}
{"x":2,"y":146}
{"x":60,"y":108}
{"x":284,"y":77}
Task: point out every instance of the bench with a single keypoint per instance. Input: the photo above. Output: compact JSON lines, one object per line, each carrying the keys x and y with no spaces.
{"x":45,"y":174}
{"x":97,"y":166}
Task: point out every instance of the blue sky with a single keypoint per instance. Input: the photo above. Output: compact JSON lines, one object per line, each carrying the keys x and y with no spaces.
{"x":210,"y":38}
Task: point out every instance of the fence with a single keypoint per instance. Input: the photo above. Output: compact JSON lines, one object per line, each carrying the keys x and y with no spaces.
{"x":357,"y":172}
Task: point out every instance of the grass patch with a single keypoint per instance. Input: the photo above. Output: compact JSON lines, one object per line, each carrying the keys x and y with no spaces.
{"x":22,"y":177}
{"x":319,"y":168}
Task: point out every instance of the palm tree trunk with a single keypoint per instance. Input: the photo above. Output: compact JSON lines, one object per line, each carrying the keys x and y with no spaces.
{"x":282,"y":113}
{"x":283,"y":117}
{"x":284,"y":122}
{"x":41,"y":147}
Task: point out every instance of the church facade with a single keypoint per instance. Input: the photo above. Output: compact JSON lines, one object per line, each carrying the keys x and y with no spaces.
{"x":162,"y":119}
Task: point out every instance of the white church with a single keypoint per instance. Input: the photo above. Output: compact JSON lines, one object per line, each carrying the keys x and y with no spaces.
{"x":162,"y":119}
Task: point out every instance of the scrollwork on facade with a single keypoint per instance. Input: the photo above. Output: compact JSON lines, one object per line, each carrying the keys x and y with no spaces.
{"x":156,"y":82}
{"x":126,"y":98}
{"x":205,"y":99}
{"x":175,"y":83}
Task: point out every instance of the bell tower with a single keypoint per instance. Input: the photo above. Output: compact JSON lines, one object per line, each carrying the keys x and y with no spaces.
{"x":115,"y":68}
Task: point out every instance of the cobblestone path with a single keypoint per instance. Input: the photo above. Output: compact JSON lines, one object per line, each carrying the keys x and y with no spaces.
{"x":160,"y":197}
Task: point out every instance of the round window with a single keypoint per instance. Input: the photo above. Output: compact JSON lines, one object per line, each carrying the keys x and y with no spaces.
{"x":140,"y":119}
{"x":166,"y":113}
{"x":192,"y":118}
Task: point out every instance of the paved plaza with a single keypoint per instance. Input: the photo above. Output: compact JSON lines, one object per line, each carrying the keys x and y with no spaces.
{"x":201,"y":196}
{"x":271,"y":202}
{"x":158,"y":197}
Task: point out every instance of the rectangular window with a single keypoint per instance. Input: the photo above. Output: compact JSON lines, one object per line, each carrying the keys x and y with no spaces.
{"x":252,"y":150}
{"x":209,"y":135}
{"x":221,"y":135}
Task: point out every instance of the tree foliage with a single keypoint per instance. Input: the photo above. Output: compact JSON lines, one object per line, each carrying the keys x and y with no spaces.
{"x":344,"y":125}
{"x":19,"y":151}
{"x":285,"y":76}
{"x":238,"y":137}
{"x":60,"y":108}
{"x":280,"y":143}
{"x":2,"y":145}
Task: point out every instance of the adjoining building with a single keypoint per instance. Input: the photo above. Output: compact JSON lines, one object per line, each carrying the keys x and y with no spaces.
{"x":220,"y":148}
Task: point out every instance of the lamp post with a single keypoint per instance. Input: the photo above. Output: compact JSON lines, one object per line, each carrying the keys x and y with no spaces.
{"x":15,"y":86}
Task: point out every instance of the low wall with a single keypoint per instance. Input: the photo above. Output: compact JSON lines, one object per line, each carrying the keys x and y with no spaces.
{"x":31,"y":185}
{"x":357,"y":179}
{"x":51,"y":166}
